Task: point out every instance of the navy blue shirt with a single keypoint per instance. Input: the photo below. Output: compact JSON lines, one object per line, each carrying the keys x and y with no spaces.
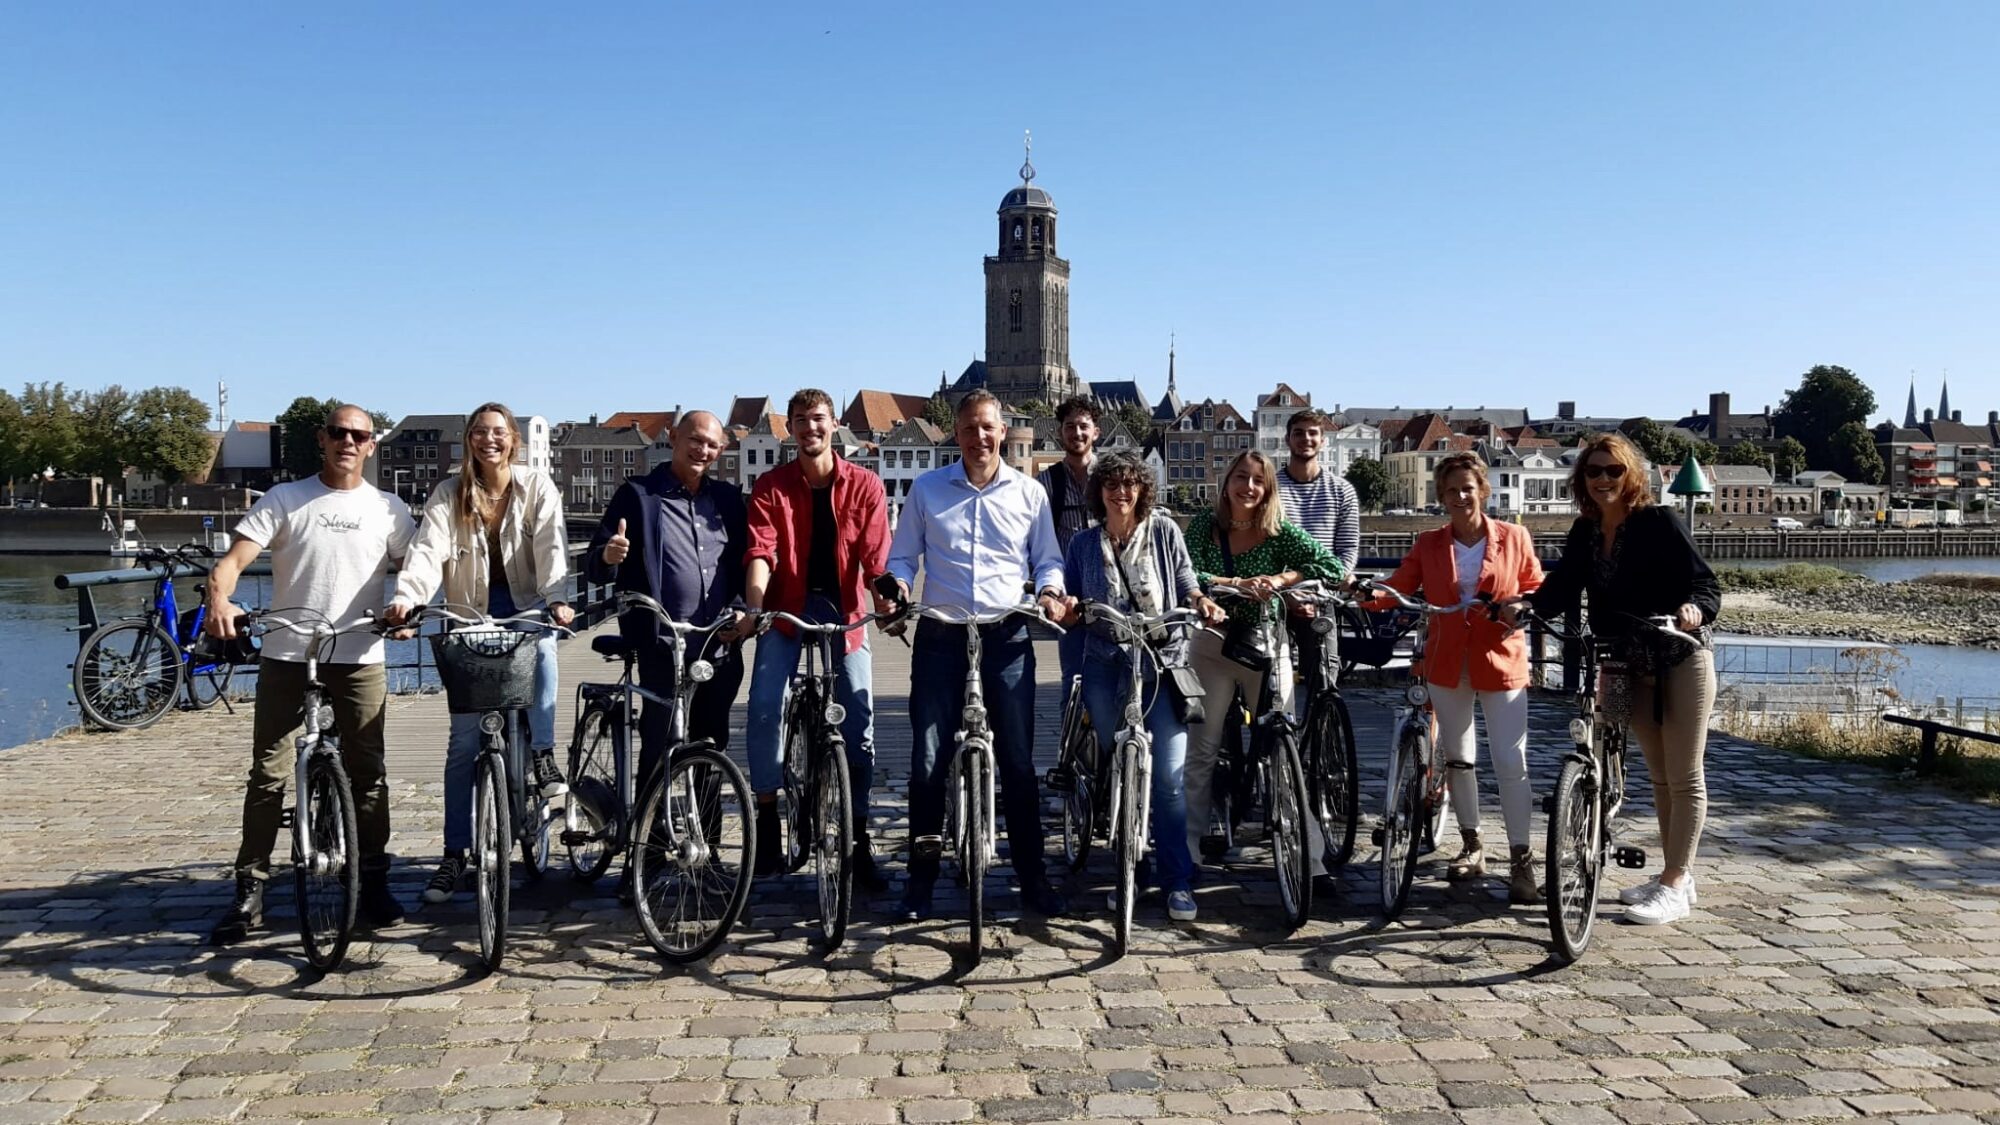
{"x":686,"y":548}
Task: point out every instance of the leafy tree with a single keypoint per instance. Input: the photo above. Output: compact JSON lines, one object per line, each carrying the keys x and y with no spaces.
{"x":1790,"y":460}
{"x":1655,"y":441}
{"x":1371,"y":482}
{"x":1815,"y":412}
{"x":169,"y":434}
{"x":297,"y":425}
{"x":1183,"y":501}
{"x":1137,"y":420}
{"x":1854,"y":454}
{"x":50,"y":422}
{"x":104,"y":436}
{"x":13,"y":439}
{"x":1747,"y":453}
{"x":938,"y":412}
{"x":383,"y":423}
{"x":1037,"y":408}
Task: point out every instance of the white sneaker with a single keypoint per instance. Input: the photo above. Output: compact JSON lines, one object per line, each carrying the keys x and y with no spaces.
{"x":1636,"y":894}
{"x":1666,"y":904}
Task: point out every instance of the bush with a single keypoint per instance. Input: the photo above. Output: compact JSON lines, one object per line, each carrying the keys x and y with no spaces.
{"x":1987,"y":583}
{"x":1807,"y":577}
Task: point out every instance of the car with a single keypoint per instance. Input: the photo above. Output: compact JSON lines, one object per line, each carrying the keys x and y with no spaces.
{"x":1787,"y":523}
{"x":1399,"y":512}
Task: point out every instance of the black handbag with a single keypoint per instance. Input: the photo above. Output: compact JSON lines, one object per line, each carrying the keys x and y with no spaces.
{"x":1242,"y":642}
{"x":1182,"y":684}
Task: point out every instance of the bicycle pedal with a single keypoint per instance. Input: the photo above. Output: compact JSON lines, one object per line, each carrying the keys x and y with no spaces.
{"x":286,"y":818}
{"x":927,"y":847}
{"x":1377,"y":835}
{"x":1625,"y":855}
{"x":1060,"y":779}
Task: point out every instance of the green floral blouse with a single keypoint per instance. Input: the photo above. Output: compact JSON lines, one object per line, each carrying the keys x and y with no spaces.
{"x":1290,"y":549}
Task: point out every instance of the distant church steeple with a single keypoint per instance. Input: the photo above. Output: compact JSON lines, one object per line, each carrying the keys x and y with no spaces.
{"x":1027,"y":300}
{"x":1170,"y":365}
{"x":1910,"y":411}
{"x":1944,"y":401}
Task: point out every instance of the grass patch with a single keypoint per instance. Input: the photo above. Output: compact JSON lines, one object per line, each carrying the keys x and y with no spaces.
{"x":1985,"y":583}
{"x":1807,"y":577}
{"x":1964,"y":765}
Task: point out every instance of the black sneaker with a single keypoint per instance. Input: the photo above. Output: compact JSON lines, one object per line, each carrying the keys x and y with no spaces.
{"x":246,"y":913}
{"x":862,"y":863}
{"x":1039,"y":897}
{"x":548,"y":775}
{"x":449,"y":878}
{"x":922,"y":878}
{"x":378,"y":906}
{"x":770,"y":841}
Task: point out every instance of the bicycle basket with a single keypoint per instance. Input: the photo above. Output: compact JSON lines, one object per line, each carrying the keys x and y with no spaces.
{"x":1370,"y":636}
{"x":485,"y":669}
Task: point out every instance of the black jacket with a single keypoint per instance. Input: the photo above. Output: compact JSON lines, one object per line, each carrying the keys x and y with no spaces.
{"x":1659,"y":571}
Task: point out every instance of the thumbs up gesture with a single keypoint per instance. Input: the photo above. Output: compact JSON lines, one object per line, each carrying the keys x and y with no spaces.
{"x":617,"y":547}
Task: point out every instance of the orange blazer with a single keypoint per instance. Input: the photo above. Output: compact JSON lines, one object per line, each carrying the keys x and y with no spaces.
{"x":1472,"y":642}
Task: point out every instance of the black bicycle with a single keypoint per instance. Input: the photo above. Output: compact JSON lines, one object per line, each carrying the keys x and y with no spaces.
{"x":1326,"y":737}
{"x":129,"y":672}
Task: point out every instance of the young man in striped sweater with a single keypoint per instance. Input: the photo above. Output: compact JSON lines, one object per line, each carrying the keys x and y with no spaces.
{"x":1324,"y":505}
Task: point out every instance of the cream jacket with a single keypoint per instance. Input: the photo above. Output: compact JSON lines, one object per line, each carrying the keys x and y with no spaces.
{"x":534,"y":548}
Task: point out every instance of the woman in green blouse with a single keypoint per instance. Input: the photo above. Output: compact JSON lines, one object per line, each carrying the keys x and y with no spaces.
{"x":1247,"y":543}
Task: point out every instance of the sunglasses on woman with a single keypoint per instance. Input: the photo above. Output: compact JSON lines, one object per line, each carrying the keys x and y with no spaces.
{"x":360,"y":437}
{"x":1610,"y":472}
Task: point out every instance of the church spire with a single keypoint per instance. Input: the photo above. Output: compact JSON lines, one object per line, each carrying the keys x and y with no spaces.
{"x":1944,"y":399}
{"x":1170,"y":364}
{"x":1910,"y":411}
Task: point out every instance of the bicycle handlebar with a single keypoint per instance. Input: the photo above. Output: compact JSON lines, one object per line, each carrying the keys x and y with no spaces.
{"x":960,"y":617}
{"x":632,"y":599}
{"x":315,"y":623}
{"x":1417,"y":604}
{"x":538,"y":618}
{"x":764,"y":617}
{"x":1135,"y":623}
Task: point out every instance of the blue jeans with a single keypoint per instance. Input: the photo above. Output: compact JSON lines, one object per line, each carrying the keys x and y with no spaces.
{"x":937,"y":701}
{"x":1104,"y":686}
{"x":770,"y":683}
{"x":462,"y":751}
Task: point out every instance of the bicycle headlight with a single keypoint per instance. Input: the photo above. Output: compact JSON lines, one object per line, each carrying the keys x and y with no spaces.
{"x":836,"y":714}
{"x":1579,"y":731}
{"x":1418,"y":693}
{"x":701,"y":671}
{"x":491,"y":722}
{"x":325,"y":718}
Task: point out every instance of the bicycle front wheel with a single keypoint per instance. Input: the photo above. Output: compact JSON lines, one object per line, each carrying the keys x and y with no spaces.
{"x":1289,"y":848}
{"x":1400,"y":827}
{"x":1079,"y":756}
{"x":693,"y":850}
{"x":592,"y":812}
{"x":1333,"y":775}
{"x":492,"y":856}
{"x":328,"y":880}
{"x":127,"y":675}
{"x":833,"y":843}
{"x":207,"y":684}
{"x":1131,"y":842}
{"x":971,"y":842}
{"x":1575,"y":863}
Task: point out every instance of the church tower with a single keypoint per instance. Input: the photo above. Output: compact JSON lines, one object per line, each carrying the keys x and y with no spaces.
{"x":1027,"y":301}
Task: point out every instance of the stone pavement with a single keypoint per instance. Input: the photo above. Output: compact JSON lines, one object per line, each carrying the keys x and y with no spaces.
{"x":1845,"y":962}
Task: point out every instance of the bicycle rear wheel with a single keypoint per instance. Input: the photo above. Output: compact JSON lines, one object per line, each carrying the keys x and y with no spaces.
{"x":693,"y":851}
{"x":1079,"y":759}
{"x":127,"y":675}
{"x":833,"y":842}
{"x":329,"y":884}
{"x":1575,"y":863}
{"x":593,"y":812}
{"x":492,"y":853}
{"x":795,"y":796}
{"x":207,"y":684}
{"x":1289,"y":850}
{"x":1334,"y":776}
{"x":1400,"y":827}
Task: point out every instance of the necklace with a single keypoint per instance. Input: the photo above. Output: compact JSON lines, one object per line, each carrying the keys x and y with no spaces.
{"x":1240,"y":525}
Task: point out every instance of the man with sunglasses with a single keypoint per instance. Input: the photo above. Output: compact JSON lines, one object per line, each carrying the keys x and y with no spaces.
{"x":332,"y":537}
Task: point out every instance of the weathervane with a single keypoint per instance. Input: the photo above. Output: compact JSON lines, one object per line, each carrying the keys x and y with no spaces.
{"x":1028,"y":155}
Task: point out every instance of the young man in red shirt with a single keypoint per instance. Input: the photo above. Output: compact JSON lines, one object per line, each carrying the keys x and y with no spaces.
{"x":819,"y":535}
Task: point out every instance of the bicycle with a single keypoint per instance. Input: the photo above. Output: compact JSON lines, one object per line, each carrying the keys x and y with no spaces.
{"x":693,"y":827}
{"x":817,"y":803}
{"x":488,"y":669}
{"x":969,"y":786}
{"x":1126,"y":777}
{"x":326,"y":841}
{"x":1078,"y":786}
{"x":1414,"y":805}
{"x":1590,"y":789}
{"x":129,"y":672}
{"x":1326,"y":737}
{"x":1269,"y":773}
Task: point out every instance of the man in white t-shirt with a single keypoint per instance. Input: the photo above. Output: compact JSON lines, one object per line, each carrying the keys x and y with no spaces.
{"x":332,"y":537}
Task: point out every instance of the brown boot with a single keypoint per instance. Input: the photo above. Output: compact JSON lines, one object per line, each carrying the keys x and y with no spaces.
{"x":1524,"y":884}
{"x":1470,"y":863}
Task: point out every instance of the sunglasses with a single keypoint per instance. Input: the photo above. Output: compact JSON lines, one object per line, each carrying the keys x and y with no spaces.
{"x":1120,"y":486}
{"x":1610,"y":472}
{"x":360,"y":437}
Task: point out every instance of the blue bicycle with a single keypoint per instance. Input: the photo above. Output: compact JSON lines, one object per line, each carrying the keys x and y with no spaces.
{"x":130,"y":671}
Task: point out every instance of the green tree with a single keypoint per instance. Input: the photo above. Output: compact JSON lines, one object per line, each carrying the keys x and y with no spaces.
{"x":1825,"y":401}
{"x":50,"y":439}
{"x":1037,"y":408}
{"x":1747,"y":453}
{"x":1854,"y":454}
{"x":938,"y":412}
{"x":1790,"y":460}
{"x":104,"y":435}
{"x":1371,"y":482}
{"x":297,"y":426}
{"x":13,"y":440}
{"x":1137,"y":420}
{"x":1660,"y":445}
{"x":169,"y":434}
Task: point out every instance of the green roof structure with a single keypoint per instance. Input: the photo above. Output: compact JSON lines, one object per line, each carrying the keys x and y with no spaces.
{"x":1691,"y":481}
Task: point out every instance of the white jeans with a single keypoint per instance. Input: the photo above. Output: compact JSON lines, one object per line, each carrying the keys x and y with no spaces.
{"x":1507,"y":740}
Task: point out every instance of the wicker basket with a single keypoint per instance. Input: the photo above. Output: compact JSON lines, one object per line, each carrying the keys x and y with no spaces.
{"x":486,"y":669}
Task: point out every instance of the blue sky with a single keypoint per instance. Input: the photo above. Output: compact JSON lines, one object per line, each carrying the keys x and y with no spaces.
{"x":585,"y":209}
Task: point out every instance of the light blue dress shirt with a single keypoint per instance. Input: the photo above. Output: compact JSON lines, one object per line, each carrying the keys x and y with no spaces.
{"x":977,"y":545}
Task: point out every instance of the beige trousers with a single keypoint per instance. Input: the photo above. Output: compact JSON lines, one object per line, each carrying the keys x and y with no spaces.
{"x":1674,"y":751}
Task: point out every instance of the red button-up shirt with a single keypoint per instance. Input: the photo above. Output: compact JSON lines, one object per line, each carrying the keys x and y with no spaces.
{"x":781,"y":533}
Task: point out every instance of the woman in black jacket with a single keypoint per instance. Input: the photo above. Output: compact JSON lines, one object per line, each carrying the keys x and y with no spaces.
{"x":1638,"y":561}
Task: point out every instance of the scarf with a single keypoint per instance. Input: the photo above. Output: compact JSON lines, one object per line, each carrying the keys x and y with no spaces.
{"x":1129,"y":574}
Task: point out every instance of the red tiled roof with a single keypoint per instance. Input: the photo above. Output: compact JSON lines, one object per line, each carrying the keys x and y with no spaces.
{"x":880,"y":411}
{"x":649,"y":422}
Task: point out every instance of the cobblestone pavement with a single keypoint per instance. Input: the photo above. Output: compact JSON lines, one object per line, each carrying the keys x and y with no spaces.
{"x":1844,"y":962}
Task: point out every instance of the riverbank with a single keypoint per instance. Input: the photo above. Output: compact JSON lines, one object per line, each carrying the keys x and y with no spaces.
{"x":1812,"y":601}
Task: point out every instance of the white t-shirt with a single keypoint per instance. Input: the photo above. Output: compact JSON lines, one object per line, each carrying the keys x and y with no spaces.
{"x":1468,"y":560}
{"x":330,"y":550}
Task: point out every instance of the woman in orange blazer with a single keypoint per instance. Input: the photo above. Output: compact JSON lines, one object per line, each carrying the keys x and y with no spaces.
{"x":1472,"y":657}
